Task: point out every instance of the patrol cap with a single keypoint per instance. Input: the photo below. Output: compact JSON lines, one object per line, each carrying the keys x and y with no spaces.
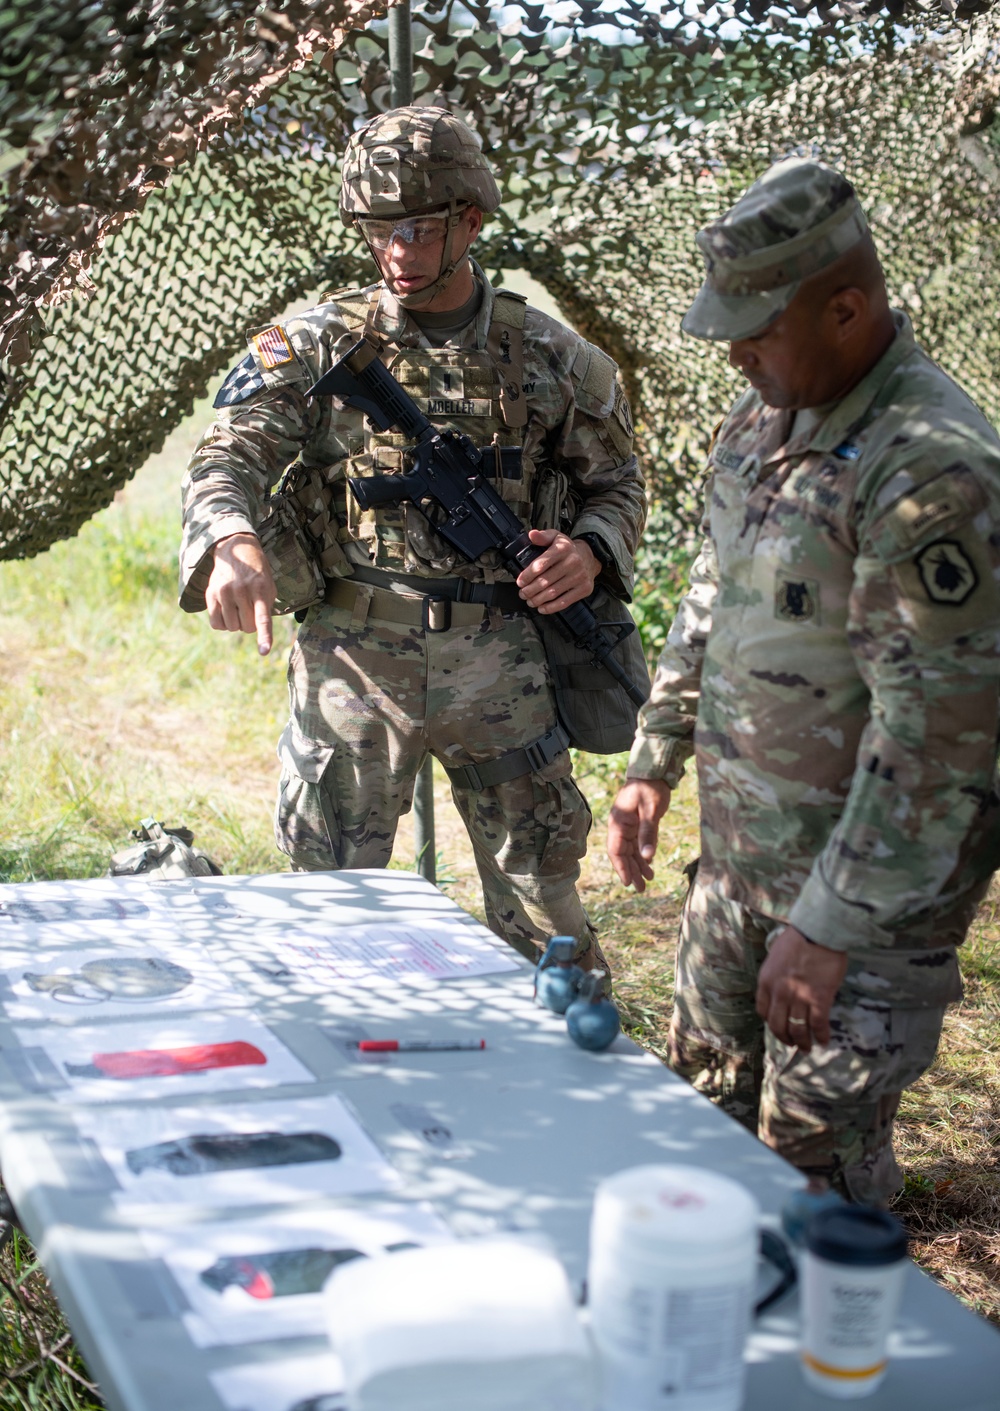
{"x":799,"y":217}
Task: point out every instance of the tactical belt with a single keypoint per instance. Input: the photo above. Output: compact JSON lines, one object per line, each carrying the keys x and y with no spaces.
{"x":451,"y":602}
{"x":511,"y":765}
{"x":504,"y":596}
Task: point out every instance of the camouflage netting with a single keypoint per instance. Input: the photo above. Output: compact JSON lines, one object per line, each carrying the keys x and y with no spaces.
{"x":172,"y":179}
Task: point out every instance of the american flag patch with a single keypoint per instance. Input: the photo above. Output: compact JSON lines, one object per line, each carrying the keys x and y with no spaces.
{"x":273,"y":348}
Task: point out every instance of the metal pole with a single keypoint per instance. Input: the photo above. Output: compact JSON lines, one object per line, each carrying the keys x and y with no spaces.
{"x":400,"y":55}
{"x":423,"y":821}
{"x":401,"y":95}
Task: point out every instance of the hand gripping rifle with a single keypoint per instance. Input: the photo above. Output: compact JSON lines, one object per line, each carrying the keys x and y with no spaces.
{"x":446,"y":472}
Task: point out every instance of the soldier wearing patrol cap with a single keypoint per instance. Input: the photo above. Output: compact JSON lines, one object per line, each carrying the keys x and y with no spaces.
{"x":834,"y":671}
{"x":411,"y":648}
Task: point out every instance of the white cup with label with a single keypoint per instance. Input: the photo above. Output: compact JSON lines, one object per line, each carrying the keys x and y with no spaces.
{"x":853,"y":1269}
{"x":671,"y":1282}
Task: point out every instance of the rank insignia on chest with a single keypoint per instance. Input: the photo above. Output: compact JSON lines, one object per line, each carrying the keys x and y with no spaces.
{"x":273,"y":348}
{"x":947,"y":573}
{"x":447,"y":383}
{"x":796,"y":599}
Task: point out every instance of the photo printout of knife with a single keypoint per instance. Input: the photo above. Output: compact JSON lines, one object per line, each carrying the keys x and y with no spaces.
{"x":163,"y":1057}
{"x":262,"y":1276}
{"x":252,"y":1152}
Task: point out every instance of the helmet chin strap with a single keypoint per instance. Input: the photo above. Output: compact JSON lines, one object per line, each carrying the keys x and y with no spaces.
{"x":446,"y":272}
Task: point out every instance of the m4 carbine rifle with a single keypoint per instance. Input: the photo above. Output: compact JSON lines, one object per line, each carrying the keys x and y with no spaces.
{"x":446,"y":472}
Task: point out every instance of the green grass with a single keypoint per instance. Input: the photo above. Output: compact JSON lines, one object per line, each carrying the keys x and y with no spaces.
{"x":116,"y":706}
{"x":39,"y":1367}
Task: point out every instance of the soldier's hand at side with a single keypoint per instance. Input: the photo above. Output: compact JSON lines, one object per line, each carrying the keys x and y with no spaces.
{"x":633,"y":828}
{"x":562,"y":575}
{"x":796,"y":988}
{"x":241,"y":592}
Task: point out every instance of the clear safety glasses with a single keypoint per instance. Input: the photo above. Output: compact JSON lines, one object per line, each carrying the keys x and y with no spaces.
{"x":414,"y":230}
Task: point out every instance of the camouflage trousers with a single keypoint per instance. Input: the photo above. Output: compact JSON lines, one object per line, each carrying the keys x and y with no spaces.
{"x":830,"y":1111}
{"x":370,"y":698}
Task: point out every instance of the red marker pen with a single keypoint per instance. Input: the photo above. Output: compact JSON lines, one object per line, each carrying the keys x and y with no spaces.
{"x":427,"y":1046}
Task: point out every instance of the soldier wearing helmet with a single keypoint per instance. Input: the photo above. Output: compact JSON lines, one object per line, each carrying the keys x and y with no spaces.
{"x":401,"y":172}
{"x":835,"y":671}
{"x":410,"y":649}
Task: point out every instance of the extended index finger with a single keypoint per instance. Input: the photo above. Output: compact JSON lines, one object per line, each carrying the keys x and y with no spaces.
{"x":262,"y":620}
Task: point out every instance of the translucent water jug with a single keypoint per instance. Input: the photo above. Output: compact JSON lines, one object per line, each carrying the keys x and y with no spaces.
{"x":489,"y":1324}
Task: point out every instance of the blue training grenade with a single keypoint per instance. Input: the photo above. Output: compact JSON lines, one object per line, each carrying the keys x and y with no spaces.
{"x":592,"y":1019}
{"x":557,"y":979}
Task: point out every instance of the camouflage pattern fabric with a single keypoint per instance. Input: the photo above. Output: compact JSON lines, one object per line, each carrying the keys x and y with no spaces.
{"x":578,"y":426}
{"x":415,"y":159}
{"x":795,"y":221}
{"x":176,"y":196}
{"x":369,"y":697}
{"x":834,"y":669}
{"x":348,"y":768}
{"x":829,"y":1111}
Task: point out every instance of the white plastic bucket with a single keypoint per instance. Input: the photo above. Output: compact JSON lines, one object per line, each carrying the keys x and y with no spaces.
{"x":673,"y":1260}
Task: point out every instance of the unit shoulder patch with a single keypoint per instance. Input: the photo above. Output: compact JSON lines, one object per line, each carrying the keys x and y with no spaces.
{"x":947,"y":572}
{"x":242,"y":382}
{"x":947,"y":587}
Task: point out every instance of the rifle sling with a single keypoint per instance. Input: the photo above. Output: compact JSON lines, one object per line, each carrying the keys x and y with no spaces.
{"x":580,"y":677}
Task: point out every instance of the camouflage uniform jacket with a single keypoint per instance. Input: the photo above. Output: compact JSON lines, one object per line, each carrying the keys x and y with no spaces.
{"x":834,"y":665}
{"x":578,"y":432}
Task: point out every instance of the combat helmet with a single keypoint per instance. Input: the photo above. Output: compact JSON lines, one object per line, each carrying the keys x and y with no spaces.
{"x":411,"y":162}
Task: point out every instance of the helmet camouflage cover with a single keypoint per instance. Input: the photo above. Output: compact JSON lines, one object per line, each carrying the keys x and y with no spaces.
{"x":412,"y":160}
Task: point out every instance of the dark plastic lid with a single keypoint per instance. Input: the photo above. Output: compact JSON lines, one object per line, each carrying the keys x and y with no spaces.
{"x":854,"y":1234}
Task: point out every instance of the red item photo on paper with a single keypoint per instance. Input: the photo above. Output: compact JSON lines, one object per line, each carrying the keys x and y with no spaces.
{"x":168,"y":1062}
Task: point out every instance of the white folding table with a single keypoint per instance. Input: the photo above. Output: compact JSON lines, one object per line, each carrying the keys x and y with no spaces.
{"x":512,"y":1138}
